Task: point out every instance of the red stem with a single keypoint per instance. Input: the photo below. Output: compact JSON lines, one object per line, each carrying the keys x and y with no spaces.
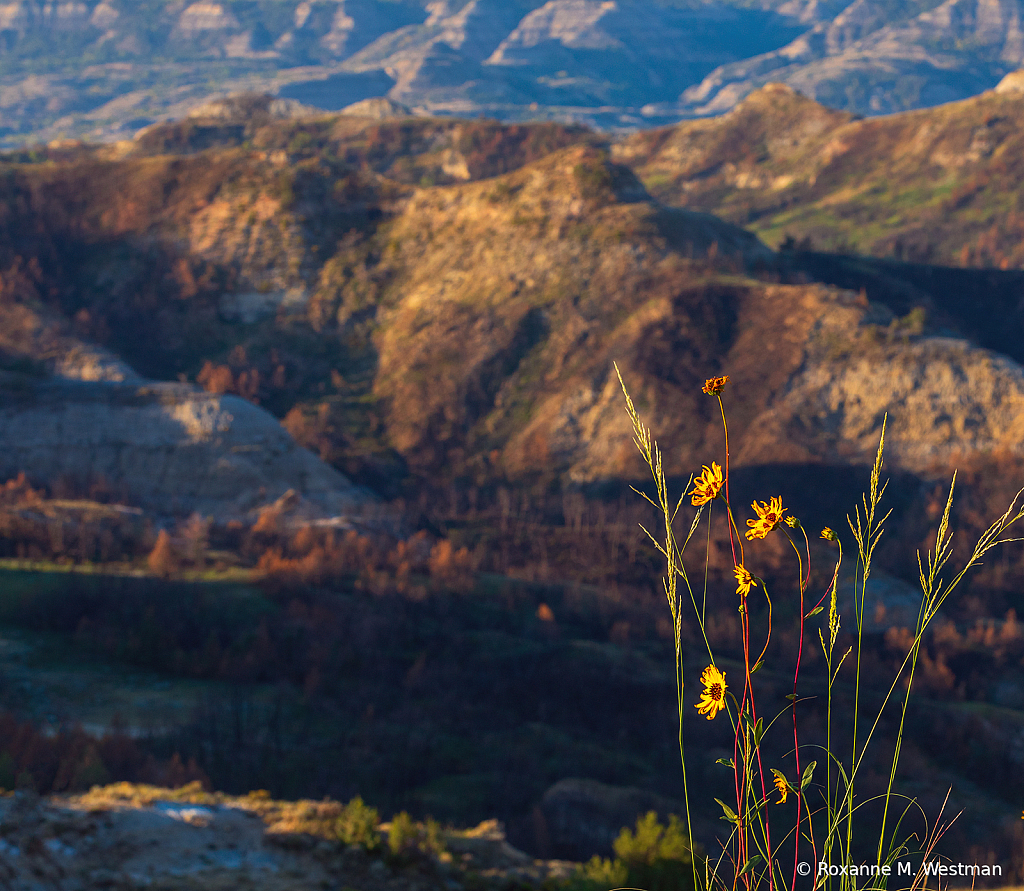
{"x":728,"y":502}
{"x":804,"y":581}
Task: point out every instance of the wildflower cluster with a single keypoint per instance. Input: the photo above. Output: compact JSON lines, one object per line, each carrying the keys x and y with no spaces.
{"x":824,"y":812}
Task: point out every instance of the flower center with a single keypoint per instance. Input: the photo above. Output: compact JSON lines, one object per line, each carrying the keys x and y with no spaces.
{"x":715,"y":692}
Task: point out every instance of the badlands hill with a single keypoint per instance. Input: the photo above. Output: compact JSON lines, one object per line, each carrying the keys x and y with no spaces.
{"x":442,"y":301}
{"x":102,"y":69}
{"x":937,"y":186}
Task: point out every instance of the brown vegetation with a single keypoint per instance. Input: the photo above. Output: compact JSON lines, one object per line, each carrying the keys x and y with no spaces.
{"x":71,"y":760}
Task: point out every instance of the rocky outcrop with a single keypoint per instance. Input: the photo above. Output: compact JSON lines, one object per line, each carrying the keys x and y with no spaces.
{"x":378,"y":108}
{"x":173,"y":448}
{"x":1012,"y":83}
{"x":131,"y":837}
{"x":946,"y":400}
{"x":83,"y":415}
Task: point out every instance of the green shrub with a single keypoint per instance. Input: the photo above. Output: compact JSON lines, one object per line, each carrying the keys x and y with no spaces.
{"x":599,"y":874}
{"x":357,"y":825}
{"x":403,"y":833}
{"x":408,"y":838}
{"x":654,"y":857}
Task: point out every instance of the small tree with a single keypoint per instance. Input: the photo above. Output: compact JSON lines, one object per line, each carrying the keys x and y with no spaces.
{"x":162,"y":559}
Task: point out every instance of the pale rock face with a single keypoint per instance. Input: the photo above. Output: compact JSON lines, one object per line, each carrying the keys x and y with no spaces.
{"x":1012,"y":83}
{"x":302,"y":12}
{"x":341,"y":27}
{"x":863,"y":38}
{"x":88,"y":363}
{"x":203,"y":17}
{"x":14,"y":16}
{"x":172,"y":447}
{"x":69,"y":16}
{"x":573,"y":23}
{"x":378,"y":108}
{"x":103,"y":16}
{"x":945,"y":400}
{"x":240,"y":46}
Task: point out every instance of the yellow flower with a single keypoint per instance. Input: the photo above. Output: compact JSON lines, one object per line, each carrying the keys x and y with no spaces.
{"x":829,"y":535}
{"x":714,"y":385}
{"x":707,"y":486}
{"x":712,"y":700}
{"x":744,"y":580}
{"x":769,"y":515}
{"x":782,"y":787}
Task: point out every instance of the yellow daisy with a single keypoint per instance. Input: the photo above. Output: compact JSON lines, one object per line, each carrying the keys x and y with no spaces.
{"x":712,"y":700}
{"x":707,"y":486}
{"x":769,"y":515}
{"x":782,"y":787}
{"x":744,"y":580}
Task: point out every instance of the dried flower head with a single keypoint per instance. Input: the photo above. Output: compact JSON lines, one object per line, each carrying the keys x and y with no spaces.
{"x":714,"y":385}
{"x":744,"y":580}
{"x":712,"y":700}
{"x":769,"y":515}
{"x":707,"y":486}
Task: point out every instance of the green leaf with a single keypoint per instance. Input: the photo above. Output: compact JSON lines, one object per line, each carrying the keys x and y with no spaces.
{"x":758,"y":732}
{"x":749,"y":865}
{"x":757,"y":665}
{"x":808,"y":773}
{"x":728,"y":762}
{"x":730,"y":814}
{"x":814,"y":612}
{"x":791,"y":697}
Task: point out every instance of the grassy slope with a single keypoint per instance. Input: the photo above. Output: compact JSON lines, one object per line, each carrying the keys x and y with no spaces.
{"x":941,"y":185}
